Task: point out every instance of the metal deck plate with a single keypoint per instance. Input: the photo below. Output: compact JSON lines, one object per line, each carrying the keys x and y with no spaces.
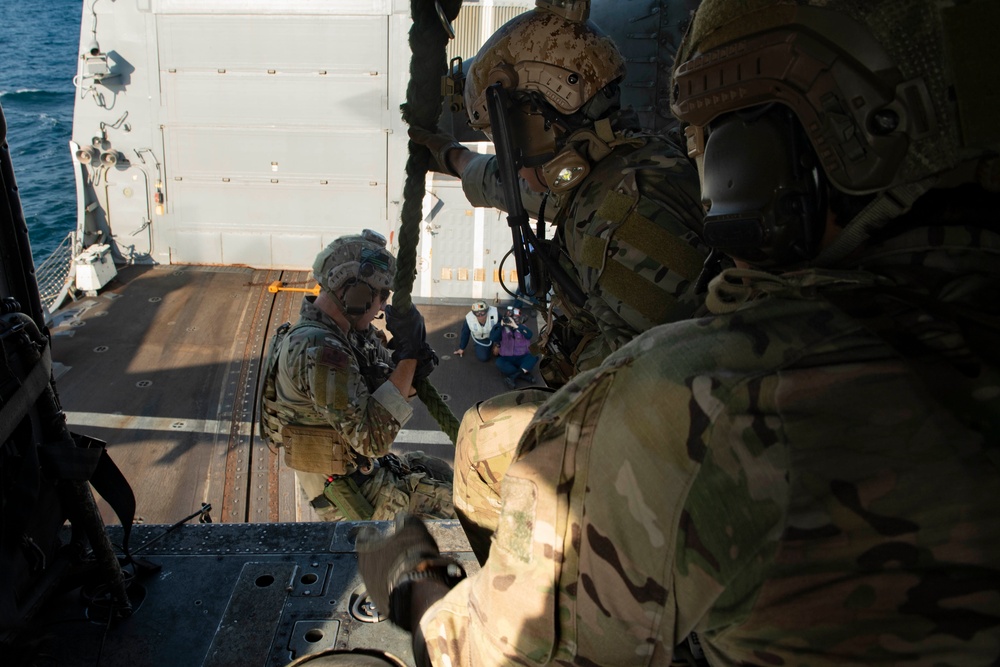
{"x":237,"y":594}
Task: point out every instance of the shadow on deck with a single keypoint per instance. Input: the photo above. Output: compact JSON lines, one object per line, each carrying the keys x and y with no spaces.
{"x":164,"y":366}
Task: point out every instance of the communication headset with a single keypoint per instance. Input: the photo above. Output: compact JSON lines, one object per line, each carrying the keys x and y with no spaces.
{"x":764,"y":192}
{"x":357,"y":294}
{"x":357,"y":297}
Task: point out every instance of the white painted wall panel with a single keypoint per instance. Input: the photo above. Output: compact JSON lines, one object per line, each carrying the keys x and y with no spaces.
{"x":288,"y":207}
{"x":284,"y":43}
{"x":274,"y":100}
{"x":301,"y":153}
{"x":313,"y":86}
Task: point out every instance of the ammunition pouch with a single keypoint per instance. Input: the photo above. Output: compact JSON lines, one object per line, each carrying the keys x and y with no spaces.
{"x":344,"y":491}
{"x":315,"y":449}
{"x":345,"y":495}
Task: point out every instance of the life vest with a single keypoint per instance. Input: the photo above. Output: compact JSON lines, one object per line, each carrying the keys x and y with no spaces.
{"x":481,"y":332}
{"x":513,"y":343}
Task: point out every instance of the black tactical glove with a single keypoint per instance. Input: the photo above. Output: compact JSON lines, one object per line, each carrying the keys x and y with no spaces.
{"x":383,"y":562}
{"x":438,"y":145}
{"x":427,"y":361}
{"x":408,"y":333}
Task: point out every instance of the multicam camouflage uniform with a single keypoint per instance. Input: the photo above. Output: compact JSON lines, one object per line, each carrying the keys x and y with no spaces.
{"x":325,"y":377}
{"x":630,"y":233}
{"x":487,"y":438}
{"x":806,"y":477}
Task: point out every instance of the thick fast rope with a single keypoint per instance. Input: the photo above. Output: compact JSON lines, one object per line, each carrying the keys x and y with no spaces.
{"x":428,"y":41}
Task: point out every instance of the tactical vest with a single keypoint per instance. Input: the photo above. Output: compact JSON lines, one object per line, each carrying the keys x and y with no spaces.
{"x":481,"y":332}
{"x":616,"y":250}
{"x":513,"y":344}
{"x":636,"y":266}
{"x":309,"y":448}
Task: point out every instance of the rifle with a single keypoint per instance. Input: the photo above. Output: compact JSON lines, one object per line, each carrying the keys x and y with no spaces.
{"x":531,"y":256}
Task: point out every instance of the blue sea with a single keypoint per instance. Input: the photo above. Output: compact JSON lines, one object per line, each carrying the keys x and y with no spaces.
{"x":40,"y":43}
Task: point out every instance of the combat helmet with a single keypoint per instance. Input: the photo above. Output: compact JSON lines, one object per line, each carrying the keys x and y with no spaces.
{"x":560,"y":70}
{"x":355,"y":260}
{"x":891,"y":98}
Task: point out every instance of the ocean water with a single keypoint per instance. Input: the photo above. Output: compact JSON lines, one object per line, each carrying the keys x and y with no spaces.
{"x":40,"y":42}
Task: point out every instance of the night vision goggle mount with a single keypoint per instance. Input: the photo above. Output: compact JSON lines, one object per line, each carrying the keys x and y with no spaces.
{"x":453,"y":86}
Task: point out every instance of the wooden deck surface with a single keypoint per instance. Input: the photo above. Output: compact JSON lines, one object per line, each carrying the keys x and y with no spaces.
{"x":164,"y":365}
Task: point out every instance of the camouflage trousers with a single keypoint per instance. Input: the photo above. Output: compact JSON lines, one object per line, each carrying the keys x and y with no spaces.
{"x":487,"y":443}
{"x":425,"y":492}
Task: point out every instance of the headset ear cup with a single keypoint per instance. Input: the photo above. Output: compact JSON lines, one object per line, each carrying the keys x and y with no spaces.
{"x":357,"y":298}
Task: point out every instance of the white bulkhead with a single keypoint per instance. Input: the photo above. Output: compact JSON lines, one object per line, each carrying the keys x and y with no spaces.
{"x":253,"y":132}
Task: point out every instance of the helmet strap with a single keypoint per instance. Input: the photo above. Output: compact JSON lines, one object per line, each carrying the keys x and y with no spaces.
{"x":877,"y":214}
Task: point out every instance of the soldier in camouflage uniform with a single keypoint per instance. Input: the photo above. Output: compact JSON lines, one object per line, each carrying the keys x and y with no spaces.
{"x":626,"y":204}
{"x":335,"y":398}
{"x":805,"y":476}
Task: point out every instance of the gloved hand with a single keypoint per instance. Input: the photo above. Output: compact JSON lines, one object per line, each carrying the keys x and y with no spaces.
{"x":382,"y":560}
{"x":427,"y":361}
{"x":408,"y":333}
{"x":438,"y":145}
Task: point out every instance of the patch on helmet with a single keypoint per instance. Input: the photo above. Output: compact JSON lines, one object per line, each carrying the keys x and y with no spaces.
{"x":334,"y":357}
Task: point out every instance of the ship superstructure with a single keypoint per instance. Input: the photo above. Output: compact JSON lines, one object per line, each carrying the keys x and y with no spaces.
{"x":252,"y":133}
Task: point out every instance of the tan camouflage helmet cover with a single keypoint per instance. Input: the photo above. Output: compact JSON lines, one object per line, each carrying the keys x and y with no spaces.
{"x":361,"y":256}
{"x":890,"y":92}
{"x":566,"y":61}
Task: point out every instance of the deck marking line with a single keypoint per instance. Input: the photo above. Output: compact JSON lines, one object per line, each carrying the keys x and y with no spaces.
{"x":214,"y":426}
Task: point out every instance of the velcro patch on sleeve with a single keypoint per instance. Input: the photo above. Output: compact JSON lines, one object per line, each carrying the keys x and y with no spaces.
{"x":333,"y":357}
{"x":516,"y":529}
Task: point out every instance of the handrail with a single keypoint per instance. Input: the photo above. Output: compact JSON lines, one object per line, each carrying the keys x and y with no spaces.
{"x":56,"y":275}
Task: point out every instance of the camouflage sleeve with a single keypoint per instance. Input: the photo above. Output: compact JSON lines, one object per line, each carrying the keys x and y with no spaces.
{"x":595,"y":560}
{"x":573,"y":576}
{"x":718,"y":476}
{"x":481,"y":184}
{"x":368,"y":422}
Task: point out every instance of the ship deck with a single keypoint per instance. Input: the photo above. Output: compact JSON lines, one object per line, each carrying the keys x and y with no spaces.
{"x":164,"y":365}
